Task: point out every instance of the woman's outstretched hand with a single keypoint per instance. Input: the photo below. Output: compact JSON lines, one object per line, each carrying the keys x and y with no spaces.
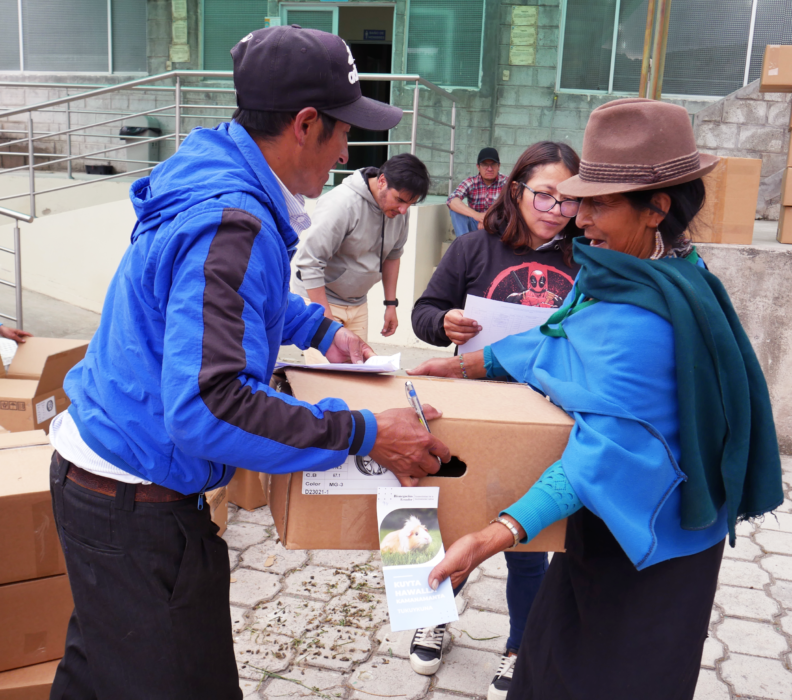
{"x":451,"y":367}
{"x":469,"y":551}
{"x":438,"y":367}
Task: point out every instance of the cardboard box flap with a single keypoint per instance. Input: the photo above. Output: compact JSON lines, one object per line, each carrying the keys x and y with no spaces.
{"x":46,"y":360}
{"x":25,"y":470}
{"x":458,"y":399}
{"x":31,"y":682}
{"x":27,"y":438}
{"x":18,"y":388}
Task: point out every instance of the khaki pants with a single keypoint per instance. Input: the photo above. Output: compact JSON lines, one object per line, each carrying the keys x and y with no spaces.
{"x":353,"y":318}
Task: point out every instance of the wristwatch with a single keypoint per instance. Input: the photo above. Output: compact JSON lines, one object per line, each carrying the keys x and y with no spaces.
{"x":387,"y":302}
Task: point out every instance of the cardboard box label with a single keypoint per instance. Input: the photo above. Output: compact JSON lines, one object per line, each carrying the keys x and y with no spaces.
{"x":12,"y":405}
{"x":357,"y":475}
{"x":45,"y":409}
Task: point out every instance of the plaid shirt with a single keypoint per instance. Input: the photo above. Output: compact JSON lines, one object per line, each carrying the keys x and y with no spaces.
{"x":480,"y":196}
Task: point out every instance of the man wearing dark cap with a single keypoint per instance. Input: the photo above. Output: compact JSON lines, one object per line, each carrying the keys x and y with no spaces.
{"x":480,"y":191}
{"x":174,"y":393}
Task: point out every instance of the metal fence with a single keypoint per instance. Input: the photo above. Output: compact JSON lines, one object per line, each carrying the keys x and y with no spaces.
{"x":180,"y":98}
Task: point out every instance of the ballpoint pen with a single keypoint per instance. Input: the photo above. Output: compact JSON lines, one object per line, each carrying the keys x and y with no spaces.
{"x":415,"y":403}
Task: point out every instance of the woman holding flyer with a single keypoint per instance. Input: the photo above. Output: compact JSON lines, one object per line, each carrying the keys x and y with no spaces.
{"x":523,"y":255}
{"x":673,"y":442}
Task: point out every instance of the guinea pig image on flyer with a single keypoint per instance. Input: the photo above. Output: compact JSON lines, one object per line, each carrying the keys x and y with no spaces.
{"x":413,"y":537}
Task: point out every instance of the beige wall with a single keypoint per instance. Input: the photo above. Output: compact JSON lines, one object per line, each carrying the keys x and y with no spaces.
{"x":73,"y":255}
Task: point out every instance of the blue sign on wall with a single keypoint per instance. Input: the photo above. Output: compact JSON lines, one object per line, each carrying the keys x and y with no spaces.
{"x":373,"y":35}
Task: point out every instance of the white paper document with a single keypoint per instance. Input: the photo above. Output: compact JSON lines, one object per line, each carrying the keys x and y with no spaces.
{"x":410,"y":547}
{"x":500,"y":319}
{"x":371,"y":366}
{"x":359,"y":475}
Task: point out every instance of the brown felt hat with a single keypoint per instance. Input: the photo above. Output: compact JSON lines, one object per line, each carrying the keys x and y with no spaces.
{"x":636,"y":144}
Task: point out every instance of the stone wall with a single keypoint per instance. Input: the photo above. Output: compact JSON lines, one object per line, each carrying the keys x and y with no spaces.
{"x":750,"y":124}
{"x":515,"y":106}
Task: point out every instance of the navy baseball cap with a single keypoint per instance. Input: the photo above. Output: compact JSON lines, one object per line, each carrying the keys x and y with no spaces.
{"x":286,"y":69}
{"x":488,"y":153}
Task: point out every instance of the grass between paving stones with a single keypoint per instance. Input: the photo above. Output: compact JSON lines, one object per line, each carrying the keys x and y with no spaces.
{"x":269,"y":674}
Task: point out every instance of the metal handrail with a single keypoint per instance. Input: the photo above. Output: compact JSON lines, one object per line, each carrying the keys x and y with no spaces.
{"x":17,"y":253}
{"x":178,"y":74}
{"x":178,"y":111}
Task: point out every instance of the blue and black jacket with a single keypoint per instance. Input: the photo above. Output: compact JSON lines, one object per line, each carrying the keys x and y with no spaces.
{"x":175,"y":385}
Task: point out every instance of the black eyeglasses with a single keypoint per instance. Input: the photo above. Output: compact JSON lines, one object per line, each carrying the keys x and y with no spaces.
{"x":545,"y":202}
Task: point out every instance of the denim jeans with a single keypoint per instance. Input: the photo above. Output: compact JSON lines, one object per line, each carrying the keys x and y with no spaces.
{"x":462,"y":224}
{"x":526,"y":572}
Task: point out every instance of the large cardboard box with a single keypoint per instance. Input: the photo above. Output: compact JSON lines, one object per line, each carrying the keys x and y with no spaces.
{"x":218,"y":507}
{"x":776,"y":69}
{"x":35,"y":615}
{"x":31,"y":394}
{"x":28,"y":683}
{"x":505,"y":436}
{"x":729,"y":208}
{"x":786,"y":188}
{"x":29,"y":546}
{"x":784,"y":234}
{"x":246,"y":490}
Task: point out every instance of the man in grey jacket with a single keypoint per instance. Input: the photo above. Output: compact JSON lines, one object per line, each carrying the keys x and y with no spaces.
{"x":356,"y":239}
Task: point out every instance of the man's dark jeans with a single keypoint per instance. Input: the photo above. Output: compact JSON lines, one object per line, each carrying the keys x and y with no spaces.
{"x":150,"y":583}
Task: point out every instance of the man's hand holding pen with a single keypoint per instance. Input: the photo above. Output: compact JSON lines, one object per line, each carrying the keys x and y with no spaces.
{"x":405,"y":447}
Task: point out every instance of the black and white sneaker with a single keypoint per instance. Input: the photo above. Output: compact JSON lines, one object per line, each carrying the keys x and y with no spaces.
{"x":426,"y":650}
{"x":499,"y":687}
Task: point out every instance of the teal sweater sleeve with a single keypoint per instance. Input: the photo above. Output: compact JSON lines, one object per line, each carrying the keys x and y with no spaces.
{"x":551,"y":498}
{"x":491,"y":364}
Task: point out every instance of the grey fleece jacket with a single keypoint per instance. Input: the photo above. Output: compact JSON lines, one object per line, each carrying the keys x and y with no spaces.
{"x":345,"y":246}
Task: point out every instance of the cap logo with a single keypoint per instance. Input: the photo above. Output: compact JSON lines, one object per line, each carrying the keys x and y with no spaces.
{"x":246,"y":39}
{"x":353,"y":74}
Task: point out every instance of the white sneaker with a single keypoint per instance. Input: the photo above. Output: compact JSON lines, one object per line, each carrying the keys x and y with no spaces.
{"x":499,"y":688}
{"x":426,"y":650}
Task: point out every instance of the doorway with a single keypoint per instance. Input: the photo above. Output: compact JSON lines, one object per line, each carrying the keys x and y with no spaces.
{"x":368,"y":32}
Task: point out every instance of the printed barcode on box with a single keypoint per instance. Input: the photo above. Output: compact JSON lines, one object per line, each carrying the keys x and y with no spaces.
{"x":45,"y":409}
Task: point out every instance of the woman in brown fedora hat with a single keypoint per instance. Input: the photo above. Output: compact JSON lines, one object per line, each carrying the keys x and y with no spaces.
{"x":673,"y":442}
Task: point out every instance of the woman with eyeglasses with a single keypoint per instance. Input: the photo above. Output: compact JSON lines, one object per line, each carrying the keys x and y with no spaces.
{"x":523,"y":255}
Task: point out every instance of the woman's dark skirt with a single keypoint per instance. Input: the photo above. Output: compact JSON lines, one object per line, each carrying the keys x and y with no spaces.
{"x":601,"y":629}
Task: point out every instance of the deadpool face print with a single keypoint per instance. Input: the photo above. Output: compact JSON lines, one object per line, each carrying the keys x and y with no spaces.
{"x":531,"y":284}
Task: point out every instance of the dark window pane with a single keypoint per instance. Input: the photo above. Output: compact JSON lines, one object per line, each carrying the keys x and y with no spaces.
{"x":444,"y":41}
{"x":773,"y":26}
{"x":129,"y":36}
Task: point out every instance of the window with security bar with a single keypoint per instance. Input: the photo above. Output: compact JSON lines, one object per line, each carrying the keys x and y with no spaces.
{"x":444,"y":41}
{"x":225,"y":23}
{"x":73,"y":36}
{"x":713,"y":46}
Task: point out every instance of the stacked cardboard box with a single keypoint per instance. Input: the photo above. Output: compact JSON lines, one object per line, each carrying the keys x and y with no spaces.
{"x":729,"y":210}
{"x":503,"y":436}
{"x":777,"y":77}
{"x":31,"y":393}
{"x":785,"y":220}
{"x":248,"y":489}
{"x":776,"y":69}
{"x":35,"y":598}
{"x":218,"y":508}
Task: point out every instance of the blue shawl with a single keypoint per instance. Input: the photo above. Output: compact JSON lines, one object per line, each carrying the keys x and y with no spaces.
{"x":674,"y":438}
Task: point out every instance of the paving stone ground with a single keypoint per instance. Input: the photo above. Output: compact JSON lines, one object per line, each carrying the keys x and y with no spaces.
{"x":315,"y":624}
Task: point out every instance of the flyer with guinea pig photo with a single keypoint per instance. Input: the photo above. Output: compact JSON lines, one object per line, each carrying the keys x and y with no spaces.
{"x":410,"y":547}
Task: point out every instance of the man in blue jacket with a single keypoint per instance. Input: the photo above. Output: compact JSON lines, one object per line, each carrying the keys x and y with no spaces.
{"x":174,"y":389}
